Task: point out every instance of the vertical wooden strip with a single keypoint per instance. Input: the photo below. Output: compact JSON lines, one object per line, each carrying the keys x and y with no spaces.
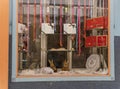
{"x":4,"y":24}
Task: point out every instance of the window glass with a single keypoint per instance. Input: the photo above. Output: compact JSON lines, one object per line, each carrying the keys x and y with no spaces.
{"x":59,"y":37}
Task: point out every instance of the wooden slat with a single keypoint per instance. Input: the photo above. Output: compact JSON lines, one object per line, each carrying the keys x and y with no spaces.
{"x":4,"y":27}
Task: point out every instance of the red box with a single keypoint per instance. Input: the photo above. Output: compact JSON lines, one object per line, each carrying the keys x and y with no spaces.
{"x":100,"y":22}
{"x":90,"y":24}
{"x":96,"y":41}
{"x":90,"y":41}
{"x":102,"y":41}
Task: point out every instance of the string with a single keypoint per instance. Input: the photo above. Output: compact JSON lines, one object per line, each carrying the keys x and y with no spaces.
{"x":103,"y":8}
{"x":100,"y":8}
{"x":73,"y":19}
{"x":54,"y":17}
{"x":76,"y":31}
{"x":89,"y":8}
{"x":85,"y":19}
{"x":105,"y":12}
{"x":28,"y":19}
{"x":79,"y":29}
{"x":48,"y":14}
{"x":34,"y":26}
{"x":40,"y":13}
{"x":61,"y":23}
{"x":21,"y":11}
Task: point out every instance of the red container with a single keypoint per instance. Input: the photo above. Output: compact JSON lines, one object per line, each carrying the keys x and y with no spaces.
{"x":102,"y":41}
{"x":96,"y":41}
{"x":90,"y":41}
{"x":90,"y":24}
{"x":100,"y":22}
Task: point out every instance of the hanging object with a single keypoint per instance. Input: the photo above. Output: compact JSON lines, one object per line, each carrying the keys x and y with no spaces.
{"x":85,"y":19}
{"x":40,"y":13}
{"x":69,"y":19}
{"x":28,"y":19}
{"x":105,"y":13}
{"x":21,"y":11}
{"x":103,"y":8}
{"x":34,"y":26}
{"x":100,"y":13}
{"x":92,"y":8}
{"x":47,"y":26}
{"x":89,"y":7}
{"x":60,"y":23}
{"x":79,"y":29}
{"x":48,"y":14}
{"x":73,"y":19}
{"x":66,"y":14}
{"x":100,"y":22}
{"x":54,"y":17}
{"x":70,"y":27}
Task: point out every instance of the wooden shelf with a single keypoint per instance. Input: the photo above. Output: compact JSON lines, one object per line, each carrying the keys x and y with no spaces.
{"x":59,"y":49}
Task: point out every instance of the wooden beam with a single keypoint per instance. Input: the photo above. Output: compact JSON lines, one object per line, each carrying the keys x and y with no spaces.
{"x":4,"y":30}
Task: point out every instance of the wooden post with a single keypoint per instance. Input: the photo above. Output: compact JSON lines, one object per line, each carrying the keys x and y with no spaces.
{"x":4,"y":25}
{"x":43,"y":50}
{"x":69,"y":53}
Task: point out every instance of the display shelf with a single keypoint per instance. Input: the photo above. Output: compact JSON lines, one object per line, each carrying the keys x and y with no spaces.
{"x":58,"y":49}
{"x":61,"y":49}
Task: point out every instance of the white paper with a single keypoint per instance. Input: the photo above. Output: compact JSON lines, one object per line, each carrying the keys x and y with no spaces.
{"x":47,"y":28}
{"x":70,"y":28}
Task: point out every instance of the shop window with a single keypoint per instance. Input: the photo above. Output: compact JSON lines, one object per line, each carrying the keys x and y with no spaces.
{"x":62,"y":38}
